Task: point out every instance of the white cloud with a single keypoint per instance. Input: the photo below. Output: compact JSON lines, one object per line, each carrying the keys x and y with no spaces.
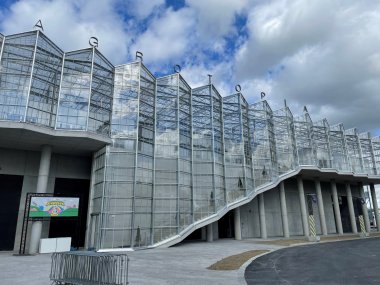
{"x":70,"y":24}
{"x":323,"y":54}
{"x":196,"y":75}
{"x":167,"y":38}
{"x":215,"y":17}
{"x":319,"y":53}
{"x":142,"y":8}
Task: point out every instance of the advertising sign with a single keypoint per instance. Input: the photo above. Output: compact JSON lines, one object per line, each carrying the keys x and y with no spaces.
{"x":41,"y":207}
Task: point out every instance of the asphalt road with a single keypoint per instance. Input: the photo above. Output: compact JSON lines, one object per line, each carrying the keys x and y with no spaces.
{"x":343,"y":262}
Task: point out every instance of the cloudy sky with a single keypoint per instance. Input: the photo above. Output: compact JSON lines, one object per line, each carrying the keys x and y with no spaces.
{"x":320,"y":53}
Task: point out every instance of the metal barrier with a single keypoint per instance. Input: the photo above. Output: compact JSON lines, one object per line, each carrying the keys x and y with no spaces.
{"x":89,"y":268}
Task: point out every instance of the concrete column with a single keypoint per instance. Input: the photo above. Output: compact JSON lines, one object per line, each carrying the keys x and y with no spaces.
{"x":375,"y":205}
{"x":43,"y":177}
{"x":351,"y":208}
{"x":301,"y":194}
{"x":237,"y":223}
{"x":321,"y":207}
{"x":284,"y":211}
{"x":215,"y":228}
{"x":365,"y":210}
{"x":338,"y":219}
{"x":263,"y":227}
{"x":210,"y":233}
{"x":203,"y":233}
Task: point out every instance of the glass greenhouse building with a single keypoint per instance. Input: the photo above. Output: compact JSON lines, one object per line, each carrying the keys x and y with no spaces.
{"x":155,"y":161}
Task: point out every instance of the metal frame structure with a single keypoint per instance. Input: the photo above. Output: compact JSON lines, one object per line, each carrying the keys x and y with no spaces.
{"x":303,"y":131}
{"x":285,"y":140}
{"x":353,"y":150}
{"x":376,"y":153}
{"x":208,"y":152}
{"x":180,"y":158}
{"x":367,"y":153}
{"x":237,"y":149}
{"x":320,"y":137}
{"x":338,"y":148}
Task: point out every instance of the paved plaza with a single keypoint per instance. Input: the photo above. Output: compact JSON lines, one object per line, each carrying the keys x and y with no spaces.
{"x":187,"y":263}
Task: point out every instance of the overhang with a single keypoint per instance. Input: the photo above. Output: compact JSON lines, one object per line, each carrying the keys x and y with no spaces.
{"x":326,"y":174}
{"x":25,"y":136}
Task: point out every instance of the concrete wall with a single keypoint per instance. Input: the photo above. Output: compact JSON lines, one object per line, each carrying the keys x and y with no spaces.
{"x":26,"y":163}
{"x":249,"y":213}
{"x":329,"y":207}
{"x":273,"y":213}
{"x":250,"y":222}
{"x":293,"y":207}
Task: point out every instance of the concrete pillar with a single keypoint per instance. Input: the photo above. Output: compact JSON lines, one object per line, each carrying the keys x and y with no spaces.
{"x":43,"y":177}
{"x":321,"y":207}
{"x":215,"y":227}
{"x":375,"y":205}
{"x":263,"y":227}
{"x":351,"y":208}
{"x":210,"y":233}
{"x":284,"y":211}
{"x":338,"y":219}
{"x":203,"y":233}
{"x":237,"y":223}
{"x":365,"y":210}
{"x":304,"y":216}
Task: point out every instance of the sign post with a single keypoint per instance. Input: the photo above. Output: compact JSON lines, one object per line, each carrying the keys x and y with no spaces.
{"x":44,"y":206}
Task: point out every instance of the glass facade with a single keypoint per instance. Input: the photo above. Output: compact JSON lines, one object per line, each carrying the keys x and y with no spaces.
{"x":42,"y":85}
{"x":376,"y":153}
{"x":303,"y":130}
{"x":172,"y":210}
{"x":208,"y":152}
{"x":353,"y":150}
{"x":320,"y":135}
{"x":85,"y":99}
{"x":127,"y":200}
{"x":237,"y":150}
{"x":286,"y":151}
{"x":263,"y":144}
{"x":179,"y":156}
{"x":338,"y":148}
{"x":367,"y":153}
{"x":17,"y":57}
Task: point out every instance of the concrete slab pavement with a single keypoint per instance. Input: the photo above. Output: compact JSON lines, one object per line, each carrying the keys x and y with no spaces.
{"x":185,"y":264}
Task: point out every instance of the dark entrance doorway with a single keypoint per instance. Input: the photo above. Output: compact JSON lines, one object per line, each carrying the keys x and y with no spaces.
{"x":10,"y":193}
{"x":226,"y":226}
{"x":358,"y":210}
{"x":196,"y":235}
{"x":345,"y":214}
{"x":71,"y":227}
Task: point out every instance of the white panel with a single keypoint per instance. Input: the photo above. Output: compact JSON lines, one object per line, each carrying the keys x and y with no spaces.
{"x":48,"y":245}
{"x":63,"y":244}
